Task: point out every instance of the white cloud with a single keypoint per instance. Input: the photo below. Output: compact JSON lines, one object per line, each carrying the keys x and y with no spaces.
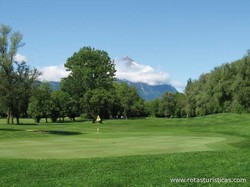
{"x":127,"y":69}
{"x":53,"y":73}
{"x":20,"y":58}
{"x":49,"y":73}
{"x":132,"y":71}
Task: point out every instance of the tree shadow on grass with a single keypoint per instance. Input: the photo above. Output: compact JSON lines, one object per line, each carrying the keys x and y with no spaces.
{"x":54,"y":132}
{"x":24,"y":124}
{"x":5,"y":129}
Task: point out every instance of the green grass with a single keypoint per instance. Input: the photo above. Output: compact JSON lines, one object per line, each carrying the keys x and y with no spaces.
{"x":139,"y":152}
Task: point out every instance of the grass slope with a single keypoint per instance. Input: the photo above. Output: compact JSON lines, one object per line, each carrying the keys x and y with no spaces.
{"x":215,"y":146}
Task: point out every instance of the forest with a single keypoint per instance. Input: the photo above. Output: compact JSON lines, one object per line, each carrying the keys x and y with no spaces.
{"x":226,"y":89}
{"x":91,"y":89}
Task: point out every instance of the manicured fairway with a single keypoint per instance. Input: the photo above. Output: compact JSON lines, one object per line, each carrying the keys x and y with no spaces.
{"x":138,"y":152}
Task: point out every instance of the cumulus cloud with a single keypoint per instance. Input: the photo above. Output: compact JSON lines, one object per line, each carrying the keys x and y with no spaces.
{"x":20,"y":58}
{"x":53,"y":73}
{"x":128,"y":69}
{"x":49,"y":73}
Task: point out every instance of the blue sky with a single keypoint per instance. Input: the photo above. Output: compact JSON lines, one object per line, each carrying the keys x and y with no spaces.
{"x":179,"y":39}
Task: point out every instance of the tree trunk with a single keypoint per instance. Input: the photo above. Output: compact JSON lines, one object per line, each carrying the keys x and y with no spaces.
{"x":8,"y":117}
{"x":37,"y":119}
{"x":12,"y":119}
{"x":17,"y":120}
{"x":54,"y":119}
{"x":46,"y":120}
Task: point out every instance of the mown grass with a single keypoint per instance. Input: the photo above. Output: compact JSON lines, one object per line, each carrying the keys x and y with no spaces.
{"x":140,"y":152}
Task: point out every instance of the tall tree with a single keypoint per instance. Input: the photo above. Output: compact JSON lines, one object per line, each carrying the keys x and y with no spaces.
{"x":16,"y":77}
{"x":91,"y":71}
{"x":6,"y":67}
{"x":23,"y":83}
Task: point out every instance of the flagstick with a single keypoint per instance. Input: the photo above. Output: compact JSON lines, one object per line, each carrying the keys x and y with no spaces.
{"x":97,"y":135}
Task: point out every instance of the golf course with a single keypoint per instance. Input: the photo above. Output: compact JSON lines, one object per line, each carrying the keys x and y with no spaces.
{"x":134,"y":152}
{"x":124,"y":93}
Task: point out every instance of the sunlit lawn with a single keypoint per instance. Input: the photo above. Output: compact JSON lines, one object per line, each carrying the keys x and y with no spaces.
{"x":136,"y":152}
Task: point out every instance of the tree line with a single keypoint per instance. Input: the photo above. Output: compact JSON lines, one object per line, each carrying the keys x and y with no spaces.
{"x":225,"y":89}
{"x":56,"y":105}
{"x":91,"y":89}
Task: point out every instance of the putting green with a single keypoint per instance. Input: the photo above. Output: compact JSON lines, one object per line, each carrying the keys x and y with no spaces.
{"x":80,"y":147}
{"x":121,"y":137}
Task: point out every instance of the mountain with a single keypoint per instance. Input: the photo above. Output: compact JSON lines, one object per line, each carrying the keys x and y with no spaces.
{"x":146,"y":91}
{"x":54,"y":85}
{"x":148,"y":81}
{"x":150,"y":92}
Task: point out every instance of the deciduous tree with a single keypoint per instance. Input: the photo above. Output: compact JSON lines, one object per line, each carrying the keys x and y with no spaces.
{"x":91,"y":72}
{"x":17,"y":78}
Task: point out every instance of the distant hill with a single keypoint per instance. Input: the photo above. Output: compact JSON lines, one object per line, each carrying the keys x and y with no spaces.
{"x":146,"y":91}
{"x":150,"y":92}
{"x":54,"y":85}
